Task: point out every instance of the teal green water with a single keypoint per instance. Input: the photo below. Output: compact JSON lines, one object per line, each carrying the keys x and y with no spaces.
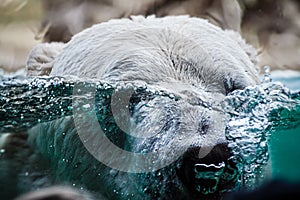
{"x":285,"y":154}
{"x":264,"y":120}
{"x":285,"y":143}
{"x":260,"y":116}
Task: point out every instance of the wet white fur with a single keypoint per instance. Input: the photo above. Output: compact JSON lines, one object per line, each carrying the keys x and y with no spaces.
{"x":180,"y":54}
{"x":184,"y":55}
{"x":144,"y":48}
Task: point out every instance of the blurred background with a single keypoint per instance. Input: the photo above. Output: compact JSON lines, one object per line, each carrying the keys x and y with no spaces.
{"x":271,"y":26}
{"x":19,"y":22}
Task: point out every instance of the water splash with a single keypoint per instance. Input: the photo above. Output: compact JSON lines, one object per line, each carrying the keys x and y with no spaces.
{"x":27,"y":101}
{"x":254,"y":113}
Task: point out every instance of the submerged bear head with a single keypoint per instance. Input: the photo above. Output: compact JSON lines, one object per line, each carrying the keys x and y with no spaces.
{"x":194,"y":60}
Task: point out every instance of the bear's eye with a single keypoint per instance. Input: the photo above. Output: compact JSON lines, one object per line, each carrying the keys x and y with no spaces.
{"x":203,"y":126}
{"x":230,"y":85}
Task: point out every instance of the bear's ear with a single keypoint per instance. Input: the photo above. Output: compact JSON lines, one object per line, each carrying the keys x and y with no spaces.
{"x":41,"y":58}
{"x":226,"y":13}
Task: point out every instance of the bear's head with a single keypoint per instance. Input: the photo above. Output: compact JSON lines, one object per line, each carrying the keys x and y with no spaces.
{"x":183,"y":136}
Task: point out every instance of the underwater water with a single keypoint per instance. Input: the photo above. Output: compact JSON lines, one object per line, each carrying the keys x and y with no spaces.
{"x":284,"y":143}
{"x":263,"y":130}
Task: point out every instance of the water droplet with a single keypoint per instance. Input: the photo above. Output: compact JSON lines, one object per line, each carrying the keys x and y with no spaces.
{"x":267,"y":76}
{"x":86,"y":106}
{"x":113,"y":172}
{"x":263,"y":144}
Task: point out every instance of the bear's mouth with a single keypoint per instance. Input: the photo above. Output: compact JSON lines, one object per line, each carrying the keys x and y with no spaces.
{"x":215,"y":174}
{"x":207,"y":177}
{"x":211,"y":178}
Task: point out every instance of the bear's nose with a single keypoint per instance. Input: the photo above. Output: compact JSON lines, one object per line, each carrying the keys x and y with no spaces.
{"x":213,"y":173}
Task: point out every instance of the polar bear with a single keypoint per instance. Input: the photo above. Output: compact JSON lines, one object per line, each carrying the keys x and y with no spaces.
{"x":196,"y":61}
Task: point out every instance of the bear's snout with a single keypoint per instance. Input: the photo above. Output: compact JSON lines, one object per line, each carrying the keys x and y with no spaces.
{"x":211,"y":174}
